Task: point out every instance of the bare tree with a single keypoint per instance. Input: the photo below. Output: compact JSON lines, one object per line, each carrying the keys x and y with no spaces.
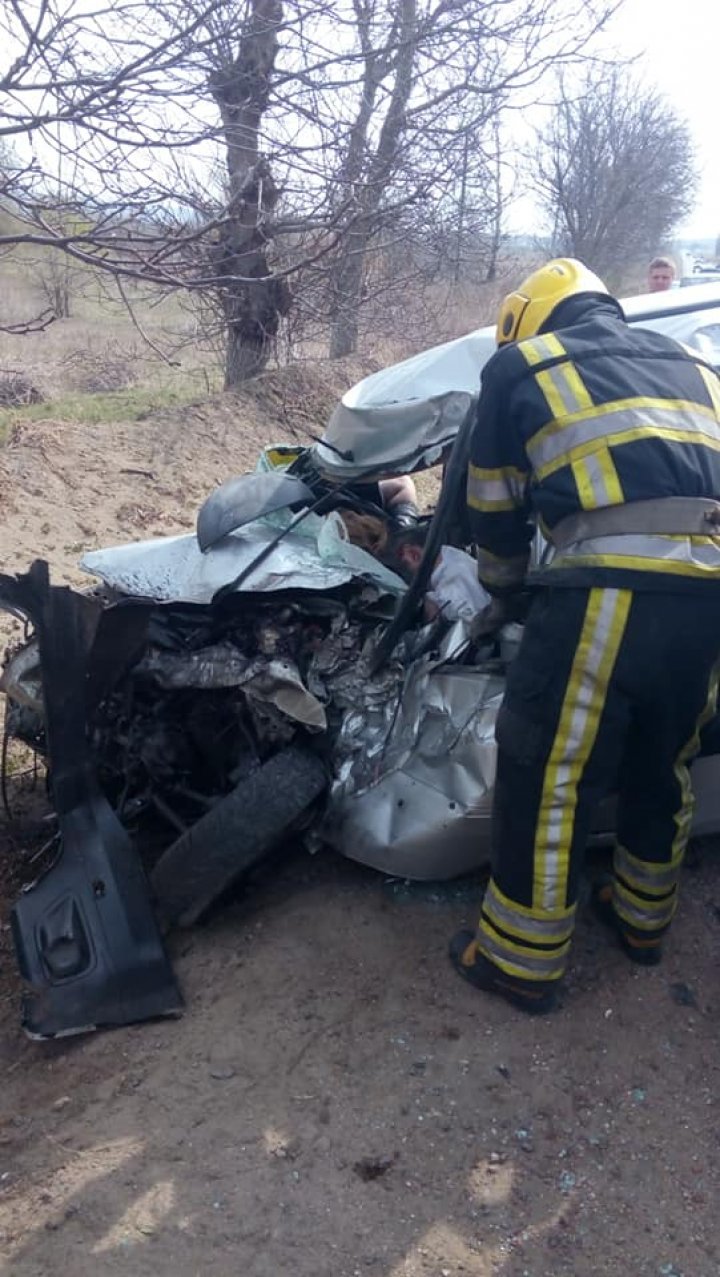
{"x":433,"y":75}
{"x":468,"y":219}
{"x":227,"y":148}
{"x":495,"y":168}
{"x":253,"y":300}
{"x":146,"y":137}
{"x":614,"y":172}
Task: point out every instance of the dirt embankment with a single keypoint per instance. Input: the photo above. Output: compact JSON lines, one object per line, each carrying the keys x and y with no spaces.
{"x":335,"y":1102}
{"x":68,"y":488}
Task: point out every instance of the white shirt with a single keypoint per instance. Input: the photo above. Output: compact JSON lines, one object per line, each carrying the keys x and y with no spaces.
{"x":454,"y":585}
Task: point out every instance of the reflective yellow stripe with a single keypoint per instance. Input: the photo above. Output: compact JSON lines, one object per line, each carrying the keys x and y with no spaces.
{"x":490,"y":505}
{"x":563,"y":389}
{"x":694,"y":556}
{"x":669,"y":435}
{"x":561,"y":384}
{"x":644,"y":915}
{"x":644,"y":875}
{"x":600,"y":639}
{"x":611,"y":480}
{"x":514,"y":959}
{"x":583,"y":477}
{"x":637,"y":403}
{"x":515,"y":946}
{"x":650,"y":907}
{"x":509,"y":474}
{"x":559,"y":444}
{"x":596,"y":480}
{"x":554,"y":926}
{"x":492,"y":490}
{"x":537,"y":349}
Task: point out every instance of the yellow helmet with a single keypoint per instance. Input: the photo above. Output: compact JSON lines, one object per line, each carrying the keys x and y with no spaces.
{"x":523,"y":313}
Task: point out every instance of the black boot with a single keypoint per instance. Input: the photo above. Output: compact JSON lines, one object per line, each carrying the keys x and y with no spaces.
{"x":646,"y":950}
{"x":536,"y":997}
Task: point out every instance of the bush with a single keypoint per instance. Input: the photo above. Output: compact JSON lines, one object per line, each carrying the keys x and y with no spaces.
{"x":95,"y":371}
{"x":16,"y":390}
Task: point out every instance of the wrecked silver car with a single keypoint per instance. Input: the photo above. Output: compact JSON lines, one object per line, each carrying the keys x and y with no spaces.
{"x":214,"y":693}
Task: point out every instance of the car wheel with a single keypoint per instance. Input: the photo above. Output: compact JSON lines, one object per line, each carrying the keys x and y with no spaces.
{"x":205,"y":861}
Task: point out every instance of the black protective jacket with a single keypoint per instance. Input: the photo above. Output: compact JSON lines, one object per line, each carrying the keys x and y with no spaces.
{"x":593,"y":415}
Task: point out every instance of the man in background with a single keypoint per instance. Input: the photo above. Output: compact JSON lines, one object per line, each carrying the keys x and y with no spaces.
{"x":661,"y":275}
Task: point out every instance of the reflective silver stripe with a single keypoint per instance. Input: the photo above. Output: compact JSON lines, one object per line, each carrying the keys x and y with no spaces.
{"x":552,"y":446}
{"x":488,"y":489}
{"x":515,"y":960}
{"x":655,"y":879}
{"x":660,"y":516}
{"x":537,"y":349}
{"x":557,"y":385}
{"x":481,"y":491}
{"x":594,"y":470}
{"x":641,"y":914}
{"x":522,"y":925}
{"x":689,"y":556}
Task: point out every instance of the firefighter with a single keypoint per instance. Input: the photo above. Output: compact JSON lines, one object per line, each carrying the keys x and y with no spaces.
{"x":608,"y":438}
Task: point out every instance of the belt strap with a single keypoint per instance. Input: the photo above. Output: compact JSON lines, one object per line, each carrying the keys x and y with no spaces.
{"x":666,"y":516}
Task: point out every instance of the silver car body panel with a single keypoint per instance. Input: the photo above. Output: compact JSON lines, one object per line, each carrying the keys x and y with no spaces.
{"x":399,"y":419}
{"x":417,"y":803}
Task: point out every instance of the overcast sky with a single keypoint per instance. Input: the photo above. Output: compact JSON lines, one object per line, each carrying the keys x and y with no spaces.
{"x":680,"y":47}
{"x":678,"y":51}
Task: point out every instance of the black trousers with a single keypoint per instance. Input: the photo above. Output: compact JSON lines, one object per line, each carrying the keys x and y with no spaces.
{"x":609,"y":692}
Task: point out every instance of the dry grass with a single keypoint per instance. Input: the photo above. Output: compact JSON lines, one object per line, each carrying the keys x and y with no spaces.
{"x":104,"y":365}
{"x":133,"y":404}
{"x":97,"y":366}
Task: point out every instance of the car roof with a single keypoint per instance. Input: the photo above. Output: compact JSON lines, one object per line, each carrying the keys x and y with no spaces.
{"x":403,"y":417}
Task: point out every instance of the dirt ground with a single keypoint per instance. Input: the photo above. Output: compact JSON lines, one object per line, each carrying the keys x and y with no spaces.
{"x":335,"y":1102}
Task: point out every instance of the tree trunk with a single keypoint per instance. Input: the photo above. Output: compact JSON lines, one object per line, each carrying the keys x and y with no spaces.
{"x":243,"y":359}
{"x":251,"y":298}
{"x":367,"y":183}
{"x":497,"y":214}
{"x":457,"y":270}
{"x":348,"y":281}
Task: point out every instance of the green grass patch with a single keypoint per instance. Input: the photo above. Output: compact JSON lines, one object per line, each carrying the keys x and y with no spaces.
{"x":132,"y":404}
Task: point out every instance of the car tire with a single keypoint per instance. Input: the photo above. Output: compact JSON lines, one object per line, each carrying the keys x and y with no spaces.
{"x":207,"y":860}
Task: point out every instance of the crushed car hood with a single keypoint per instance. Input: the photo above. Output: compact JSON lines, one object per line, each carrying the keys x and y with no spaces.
{"x":174,"y":570}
